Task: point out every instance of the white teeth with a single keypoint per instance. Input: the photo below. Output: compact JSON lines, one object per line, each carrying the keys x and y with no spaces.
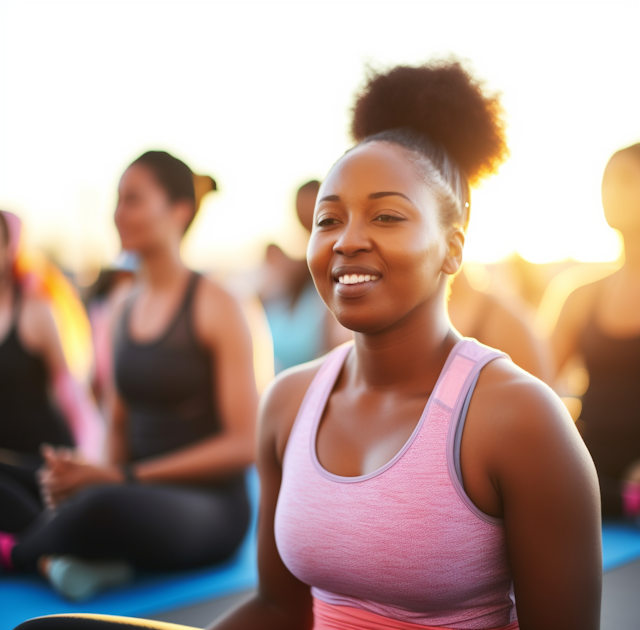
{"x":356,"y":279}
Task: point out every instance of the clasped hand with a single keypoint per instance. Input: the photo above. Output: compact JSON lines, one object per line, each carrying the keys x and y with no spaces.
{"x":66,"y":473}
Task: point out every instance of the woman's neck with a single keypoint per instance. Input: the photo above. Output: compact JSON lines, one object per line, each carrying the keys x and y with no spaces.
{"x":162,"y":268}
{"x":410,"y":353}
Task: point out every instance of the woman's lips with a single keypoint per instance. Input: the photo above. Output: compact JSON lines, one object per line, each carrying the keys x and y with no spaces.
{"x":357,"y":288}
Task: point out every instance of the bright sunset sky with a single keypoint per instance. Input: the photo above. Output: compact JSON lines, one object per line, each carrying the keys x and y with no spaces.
{"x":258,"y":95}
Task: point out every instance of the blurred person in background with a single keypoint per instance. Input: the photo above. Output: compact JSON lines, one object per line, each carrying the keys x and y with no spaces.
{"x":500,"y":324}
{"x":601,"y":322}
{"x":302,"y":328}
{"x":172,"y":495}
{"x":41,"y":401}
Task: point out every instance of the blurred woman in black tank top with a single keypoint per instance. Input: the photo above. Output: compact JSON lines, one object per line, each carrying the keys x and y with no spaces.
{"x":182,"y":427}
{"x":30,"y":358}
{"x":601,"y":322}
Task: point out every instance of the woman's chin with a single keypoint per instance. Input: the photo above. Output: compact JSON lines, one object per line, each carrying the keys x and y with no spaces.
{"x":363,"y":323}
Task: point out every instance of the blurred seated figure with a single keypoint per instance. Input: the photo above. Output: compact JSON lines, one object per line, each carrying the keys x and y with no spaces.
{"x":172,"y":495}
{"x":601,"y":322}
{"x":498,"y":324}
{"x":40,"y":400}
{"x":301,"y":325}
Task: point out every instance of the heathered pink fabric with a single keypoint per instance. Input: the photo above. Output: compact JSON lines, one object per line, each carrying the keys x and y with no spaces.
{"x":404,"y":542}
{"x":331,"y":617}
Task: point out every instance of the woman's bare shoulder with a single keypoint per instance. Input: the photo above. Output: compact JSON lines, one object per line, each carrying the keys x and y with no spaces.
{"x":509,"y":390}
{"x":516,"y":411}
{"x":281,"y":402}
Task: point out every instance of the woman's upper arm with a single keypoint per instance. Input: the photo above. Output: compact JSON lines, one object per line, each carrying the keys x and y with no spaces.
{"x":222,"y":326}
{"x":551,"y":506}
{"x":277,"y":584}
{"x":40,"y":334}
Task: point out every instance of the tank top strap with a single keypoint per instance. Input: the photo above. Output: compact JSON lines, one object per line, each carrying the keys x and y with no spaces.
{"x":318,"y":393}
{"x":187,"y":302}
{"x":464,"y":364}
{"x":454,"y":391}
{"x":324,"y":380}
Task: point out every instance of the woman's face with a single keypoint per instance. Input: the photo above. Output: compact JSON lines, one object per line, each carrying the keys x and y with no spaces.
{"x":378,"y":249}
{"x":145,"y":217}
{"x":621,"y":191}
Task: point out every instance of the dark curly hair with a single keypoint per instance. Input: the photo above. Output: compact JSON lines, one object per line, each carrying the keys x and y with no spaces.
{"x":442,"y":115}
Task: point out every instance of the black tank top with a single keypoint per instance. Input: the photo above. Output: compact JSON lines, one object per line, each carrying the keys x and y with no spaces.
{"x":166,"y":384}
{"x":611,"y":405}
{"x":27,"y":417}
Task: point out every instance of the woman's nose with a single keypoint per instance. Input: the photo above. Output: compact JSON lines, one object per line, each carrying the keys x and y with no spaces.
{"x":353,"y":238}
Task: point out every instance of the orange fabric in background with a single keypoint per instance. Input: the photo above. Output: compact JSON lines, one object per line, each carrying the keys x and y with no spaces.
{"x":38,"y":276}
{"x":329,"y":617}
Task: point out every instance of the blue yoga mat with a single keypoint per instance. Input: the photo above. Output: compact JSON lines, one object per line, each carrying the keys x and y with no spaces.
{"x":23,"y":597}
{"x":620,"y":544}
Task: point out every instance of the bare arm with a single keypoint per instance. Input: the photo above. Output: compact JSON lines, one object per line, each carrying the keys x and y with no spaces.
{"x":546,"y":490}
{"x":223,"y":329}
{"x":282,"y":601}
{"x":39,"y":333}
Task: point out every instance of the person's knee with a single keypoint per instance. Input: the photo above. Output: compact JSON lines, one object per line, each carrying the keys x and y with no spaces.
{"x":95,"y":506}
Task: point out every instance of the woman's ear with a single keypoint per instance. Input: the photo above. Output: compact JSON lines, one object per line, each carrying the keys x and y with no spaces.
{"x":453,"y":260}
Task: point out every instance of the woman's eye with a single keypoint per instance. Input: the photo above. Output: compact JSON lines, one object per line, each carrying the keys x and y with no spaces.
{"x":387,"y":218}
{"x":327,"y":222}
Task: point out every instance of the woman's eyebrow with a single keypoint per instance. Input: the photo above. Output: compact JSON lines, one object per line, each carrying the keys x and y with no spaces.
{"x":376,"y":195}
{"x":380,"y":195}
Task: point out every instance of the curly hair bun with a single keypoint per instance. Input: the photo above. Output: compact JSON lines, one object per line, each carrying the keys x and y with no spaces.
{"x":445,"y":103}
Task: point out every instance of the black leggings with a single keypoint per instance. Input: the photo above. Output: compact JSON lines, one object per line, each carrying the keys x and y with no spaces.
{"x":20,"y":502}
{"x":152,"y":527}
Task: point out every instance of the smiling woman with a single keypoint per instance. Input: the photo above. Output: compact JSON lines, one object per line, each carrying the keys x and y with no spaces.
{"x":415,"y":479}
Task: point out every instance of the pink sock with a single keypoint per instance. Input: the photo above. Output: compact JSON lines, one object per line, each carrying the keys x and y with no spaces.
{"x":7,"y":543}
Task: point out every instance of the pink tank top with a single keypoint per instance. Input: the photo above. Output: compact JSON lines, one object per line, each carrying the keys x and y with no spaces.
{"x":403,"y":542}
